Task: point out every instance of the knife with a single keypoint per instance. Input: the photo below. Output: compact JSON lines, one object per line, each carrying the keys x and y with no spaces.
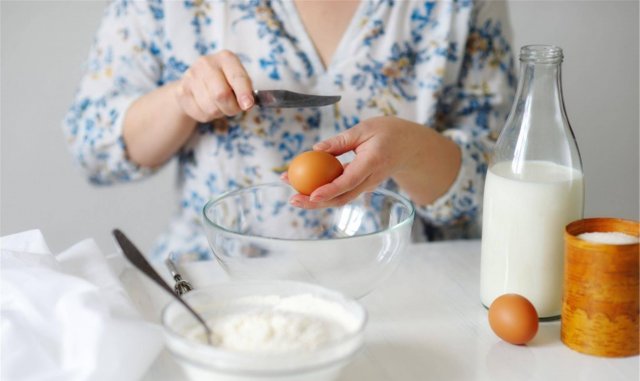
{"x":290,"y":99}
{"x":137,"y":259}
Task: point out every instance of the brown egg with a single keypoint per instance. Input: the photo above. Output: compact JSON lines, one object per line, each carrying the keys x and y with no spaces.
{"x":513,"y":318}
{"x":312,"y":169}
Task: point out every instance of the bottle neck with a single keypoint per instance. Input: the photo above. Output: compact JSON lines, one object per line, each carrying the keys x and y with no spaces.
{"x":540,"y":89}
{"x":537,"y":128}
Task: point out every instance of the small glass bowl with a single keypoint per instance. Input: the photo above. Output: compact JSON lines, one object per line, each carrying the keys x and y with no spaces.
{"x":255,"y":233}
{"x":201,"y":362}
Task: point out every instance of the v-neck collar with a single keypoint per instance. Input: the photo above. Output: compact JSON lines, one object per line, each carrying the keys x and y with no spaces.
{"x":307,"y":43}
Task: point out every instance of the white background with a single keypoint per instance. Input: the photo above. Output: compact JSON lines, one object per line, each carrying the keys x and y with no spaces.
{"x":44,"y":43}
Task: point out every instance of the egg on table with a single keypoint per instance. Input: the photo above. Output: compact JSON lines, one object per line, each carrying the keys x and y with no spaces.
{"x":513,"y":318}
{"x":313,"y":169}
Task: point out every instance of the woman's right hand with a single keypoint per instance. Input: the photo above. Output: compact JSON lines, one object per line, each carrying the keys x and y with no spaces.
{"x":214,"y":86}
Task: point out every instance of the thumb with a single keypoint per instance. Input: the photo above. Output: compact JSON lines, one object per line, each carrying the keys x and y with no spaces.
{"x":345,"y":141}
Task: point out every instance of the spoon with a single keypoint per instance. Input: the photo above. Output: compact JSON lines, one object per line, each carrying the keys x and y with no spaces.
{"x":138,"y":260}
{"x":182,"y":286}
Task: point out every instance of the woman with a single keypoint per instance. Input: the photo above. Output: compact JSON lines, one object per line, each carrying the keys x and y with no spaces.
{"x":425,"y":88}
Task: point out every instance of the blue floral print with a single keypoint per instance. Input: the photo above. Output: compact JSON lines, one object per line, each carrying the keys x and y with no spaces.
{"x":445,"y":64}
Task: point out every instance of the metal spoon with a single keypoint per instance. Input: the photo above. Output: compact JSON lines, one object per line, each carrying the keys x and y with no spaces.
{"x":182,"y":286}
{"x":138,"y":260}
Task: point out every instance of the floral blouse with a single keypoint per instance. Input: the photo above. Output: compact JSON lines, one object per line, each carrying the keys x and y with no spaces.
{"x":445,"y":64}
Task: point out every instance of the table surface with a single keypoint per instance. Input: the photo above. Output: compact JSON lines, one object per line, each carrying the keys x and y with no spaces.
{"x":426,"y":322}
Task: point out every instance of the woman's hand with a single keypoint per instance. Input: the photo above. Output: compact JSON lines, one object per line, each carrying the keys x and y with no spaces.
{"x":215,"y":86}
{"x":422,"y":162}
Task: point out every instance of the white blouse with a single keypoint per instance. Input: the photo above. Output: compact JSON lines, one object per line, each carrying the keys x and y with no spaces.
{"x":445,"y":64}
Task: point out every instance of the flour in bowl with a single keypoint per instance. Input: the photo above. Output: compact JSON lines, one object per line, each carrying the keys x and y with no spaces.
{"x":273,"y":324}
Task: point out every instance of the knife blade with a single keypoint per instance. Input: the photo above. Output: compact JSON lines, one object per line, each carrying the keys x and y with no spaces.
{"x":290,"y":99}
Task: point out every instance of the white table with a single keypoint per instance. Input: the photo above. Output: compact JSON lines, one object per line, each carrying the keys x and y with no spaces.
{"x":426,"y":323}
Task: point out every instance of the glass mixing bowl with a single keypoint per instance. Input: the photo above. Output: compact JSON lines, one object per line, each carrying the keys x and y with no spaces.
{"x":256,"y":234}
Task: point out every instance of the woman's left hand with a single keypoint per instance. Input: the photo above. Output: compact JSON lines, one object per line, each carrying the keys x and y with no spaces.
{"x":419,"y":159}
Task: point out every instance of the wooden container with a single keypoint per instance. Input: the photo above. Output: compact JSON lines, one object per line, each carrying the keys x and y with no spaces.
{"x":600,"y":302}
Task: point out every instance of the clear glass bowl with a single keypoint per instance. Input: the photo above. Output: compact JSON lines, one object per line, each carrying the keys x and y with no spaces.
{"x":256,"y":234}
{"x":201,"y":362}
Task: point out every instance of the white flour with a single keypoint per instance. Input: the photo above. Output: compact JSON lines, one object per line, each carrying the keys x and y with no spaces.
{"x":271,"y":324}
{"x":611,"y":238}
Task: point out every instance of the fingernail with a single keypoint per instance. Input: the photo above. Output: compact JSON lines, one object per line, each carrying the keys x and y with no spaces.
{"x":246,"y":102}
{"x":317,"y":198}
{"x":296,"y":203}
{"x":321,"y":146}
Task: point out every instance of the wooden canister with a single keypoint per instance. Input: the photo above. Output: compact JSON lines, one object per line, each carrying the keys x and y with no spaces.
{"x":600,"y":300}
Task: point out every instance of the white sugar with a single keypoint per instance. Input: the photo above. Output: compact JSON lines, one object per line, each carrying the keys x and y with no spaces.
{"x":610,"y":238}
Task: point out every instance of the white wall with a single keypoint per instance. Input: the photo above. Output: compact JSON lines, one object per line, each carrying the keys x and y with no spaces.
{"x":43,"y":46}
{"x":44,"y":43}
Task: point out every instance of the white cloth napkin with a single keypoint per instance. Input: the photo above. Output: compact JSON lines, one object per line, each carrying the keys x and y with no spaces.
{"x":67,"y":316}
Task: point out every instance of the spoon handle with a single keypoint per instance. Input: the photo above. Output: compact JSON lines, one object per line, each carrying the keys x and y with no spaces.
{"x":138,"y":260}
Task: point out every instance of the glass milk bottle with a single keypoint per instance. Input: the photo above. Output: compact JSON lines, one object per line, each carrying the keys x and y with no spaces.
{"x":534,"y":188}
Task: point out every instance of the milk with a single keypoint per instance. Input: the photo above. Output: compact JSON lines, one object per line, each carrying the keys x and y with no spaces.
{"x":523,"y":231}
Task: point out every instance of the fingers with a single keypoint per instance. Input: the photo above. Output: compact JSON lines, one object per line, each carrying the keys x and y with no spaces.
{"x":284,"y":176}
{"x":379,"y":153}
{"x":186,"y":100}
{"x":222,"y":93}
{"x":202,"y":96}
{"x":305,"y":202}
{"x":346,"y":141}
{"x":238,"y":79}
{"x":353,"y":175}
{"x":354,"y":180}
{"x":215,"y":86}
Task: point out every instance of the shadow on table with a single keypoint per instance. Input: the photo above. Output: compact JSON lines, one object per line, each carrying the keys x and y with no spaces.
{"x":521,"y":359}
{"x":548,"y":334}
